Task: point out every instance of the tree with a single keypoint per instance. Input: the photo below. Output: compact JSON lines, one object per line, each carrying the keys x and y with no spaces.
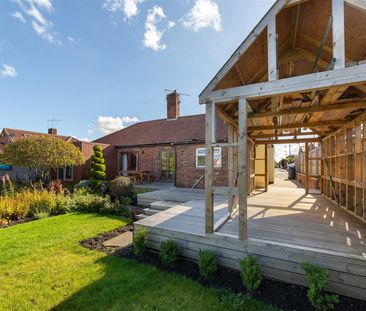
{"x":97,"y":171}
{"x":41,"y":155}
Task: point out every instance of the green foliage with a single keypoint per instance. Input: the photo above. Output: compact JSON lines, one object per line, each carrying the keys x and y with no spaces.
{"x":318,"y":279}
{"x":83,"y":201}
{"x":169,"y":251}
{"x":207,"y":263}
{"x":42,"y":154}
{"x":98,"y":168}
{"x":139,"y":240}
{"x":6,"y":186}
{"x":121,"y":187}
{"x":240,"y":302}
{"x":250,"y":273}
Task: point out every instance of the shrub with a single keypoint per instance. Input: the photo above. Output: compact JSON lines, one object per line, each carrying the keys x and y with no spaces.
{"x":318,"y":279}
{"x":250,"y":273}
{"x":97,"y":171}
{"x":82,"y":201}
{"x":42,"y":202}
{"x":6,"y":186}
{"x":121,"y":187}
{"x":139,"y":239}
{"x":207,"y":263}
{"x":169,"y":251}
{"x":83,"y":184}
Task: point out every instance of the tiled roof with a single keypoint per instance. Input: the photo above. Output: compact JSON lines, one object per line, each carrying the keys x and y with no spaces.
{"x":181,"y":130}
{"x":10,"y":135}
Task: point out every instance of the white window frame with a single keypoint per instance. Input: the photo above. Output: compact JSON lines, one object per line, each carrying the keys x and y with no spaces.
{"x":64,"y":173}
{"x":202,"y":152}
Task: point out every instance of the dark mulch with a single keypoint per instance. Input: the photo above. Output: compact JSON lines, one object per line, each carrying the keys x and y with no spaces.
{"x":16,"y":222}
{"x":96,"y":243}
{"x":282,"y":295}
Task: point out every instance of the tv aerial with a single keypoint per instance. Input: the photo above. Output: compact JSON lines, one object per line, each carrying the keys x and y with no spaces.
{"x":167,"y":91}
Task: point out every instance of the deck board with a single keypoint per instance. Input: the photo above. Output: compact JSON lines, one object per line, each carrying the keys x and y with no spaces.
{"x":285,"y":227}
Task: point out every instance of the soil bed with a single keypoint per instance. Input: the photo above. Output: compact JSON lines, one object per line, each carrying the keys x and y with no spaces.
{"x":282,"y":295}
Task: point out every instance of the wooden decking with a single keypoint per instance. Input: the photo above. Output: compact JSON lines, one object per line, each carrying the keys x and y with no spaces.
{"x":285,"y":227}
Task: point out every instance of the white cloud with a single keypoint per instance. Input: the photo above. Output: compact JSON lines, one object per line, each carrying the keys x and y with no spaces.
{"x":33,"y":10}
{"x":107,"y":125}
{"x":19,"y":16}
{"x":128,"y":7}
{"x":71,"y":39}
{"x":155,"y":26}
{"x":8,"y":71}
{"x":205,"y":13}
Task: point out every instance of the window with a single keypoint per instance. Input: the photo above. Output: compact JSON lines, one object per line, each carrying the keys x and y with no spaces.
{"x":65,"y":173}
{"x":200,"y":157}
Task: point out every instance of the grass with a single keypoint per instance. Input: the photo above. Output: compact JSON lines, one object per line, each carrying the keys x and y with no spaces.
{"x":42,"y":266}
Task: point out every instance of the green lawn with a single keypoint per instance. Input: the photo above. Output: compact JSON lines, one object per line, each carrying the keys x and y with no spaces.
{"x":42,"y":266}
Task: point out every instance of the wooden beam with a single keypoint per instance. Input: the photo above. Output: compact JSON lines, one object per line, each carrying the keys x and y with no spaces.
{"x":272,"y":48}
{"x":209,"y":196}
{"x":306,"y":168}
{"x":266,"y":168}
{"x":230,"y":164}
{"x":277,"y":7}
{"x":287,"y":141}
{"x":349,"y":124}
{"x":297,"y":125}
{"x":243,"y":169}
{"x":312,"y":109}
{"x":304,"y":83}
{"x":287,"y":135}
{"x":339,"y":51}
{"x":223,"y":115}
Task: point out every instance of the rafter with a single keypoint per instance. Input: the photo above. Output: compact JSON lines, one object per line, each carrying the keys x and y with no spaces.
{"x":311,"y":109}
{"x":297,"y":125}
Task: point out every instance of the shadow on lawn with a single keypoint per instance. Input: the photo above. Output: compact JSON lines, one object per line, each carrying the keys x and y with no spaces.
{"x":122,"y":283}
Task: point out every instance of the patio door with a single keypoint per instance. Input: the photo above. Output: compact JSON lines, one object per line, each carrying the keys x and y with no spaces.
{"x":167,"y":165}
{"x":128,"y":162}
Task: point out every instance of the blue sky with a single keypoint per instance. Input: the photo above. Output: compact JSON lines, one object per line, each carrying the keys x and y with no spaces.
{"x":98,"y":65}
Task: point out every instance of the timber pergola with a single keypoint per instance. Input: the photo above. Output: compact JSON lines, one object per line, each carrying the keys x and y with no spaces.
{"x":299,"y":77}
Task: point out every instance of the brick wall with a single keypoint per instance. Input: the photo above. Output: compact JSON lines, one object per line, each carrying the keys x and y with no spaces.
{"x":188,"y":173}
{"x":149,"y":159}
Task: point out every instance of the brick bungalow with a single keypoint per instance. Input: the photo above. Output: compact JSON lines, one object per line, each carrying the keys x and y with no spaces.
{"x":170,"y":149}
{"x":65,"y":174}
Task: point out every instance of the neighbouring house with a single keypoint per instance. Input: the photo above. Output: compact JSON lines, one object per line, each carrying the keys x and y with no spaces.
{"x":171,"y":149}
{"x":69,"y":174}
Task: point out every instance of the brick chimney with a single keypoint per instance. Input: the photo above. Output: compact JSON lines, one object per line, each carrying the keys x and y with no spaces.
{"x":173,"y":105}
{"x":52,"y":131}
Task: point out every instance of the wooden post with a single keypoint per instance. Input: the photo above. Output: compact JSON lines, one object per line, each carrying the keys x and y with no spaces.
{"x":338,"y":34}
{"x":230,"y":164}
{"x":265,"y":168}
{"x":209,"y":196}
{"x":306,"y":168}
{"x":242,"y":166}
{"x":272,"y":49}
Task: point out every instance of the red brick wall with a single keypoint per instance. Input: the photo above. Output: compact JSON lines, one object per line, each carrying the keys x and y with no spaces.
{"x":149,"y":159}
{"x":188,"y":173}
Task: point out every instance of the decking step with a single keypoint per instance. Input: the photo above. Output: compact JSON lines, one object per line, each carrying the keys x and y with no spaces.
{"x":150,"y":211}
{"x":141,"y":216}
{"x":164,"y":205}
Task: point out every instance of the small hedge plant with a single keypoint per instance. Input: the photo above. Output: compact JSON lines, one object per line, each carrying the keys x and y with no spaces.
{"x":207,"y":263}
{"x":250,"y":273}
{"x":318,"y":279}
{"x":139,"y":240}
{"x":169,"y":252}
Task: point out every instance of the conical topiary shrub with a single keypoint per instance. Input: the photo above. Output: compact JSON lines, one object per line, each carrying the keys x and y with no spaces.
{"x":97,"y":171}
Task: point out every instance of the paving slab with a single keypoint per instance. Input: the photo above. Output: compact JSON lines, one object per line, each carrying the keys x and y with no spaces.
{"x":122,"y":240}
